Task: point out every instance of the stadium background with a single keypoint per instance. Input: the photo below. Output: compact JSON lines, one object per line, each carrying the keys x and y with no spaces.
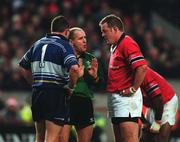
{"x":154,"y":24}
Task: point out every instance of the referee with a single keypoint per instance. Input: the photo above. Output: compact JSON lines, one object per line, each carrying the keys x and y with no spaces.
{"x":81,"y":100}
{"x":50,"y":64}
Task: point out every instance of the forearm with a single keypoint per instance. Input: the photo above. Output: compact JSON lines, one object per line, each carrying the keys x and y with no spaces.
{"x":158,"y":109}
{"x":73,"y":75}
{"x":27,"y":74}
{"x":158,"y":106}
{"x":139,"y":76}
{"x":138,"y":79}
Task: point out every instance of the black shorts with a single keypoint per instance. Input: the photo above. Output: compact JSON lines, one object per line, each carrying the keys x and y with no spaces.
{"x":117,"y":120}
{"x":81,"y":111}
{"x":49,"y":104}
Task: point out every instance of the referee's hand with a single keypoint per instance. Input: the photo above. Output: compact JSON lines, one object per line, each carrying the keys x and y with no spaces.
{"x":93,"y":68}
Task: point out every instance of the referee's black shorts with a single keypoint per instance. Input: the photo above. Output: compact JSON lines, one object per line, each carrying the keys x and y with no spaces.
{"x":49,"y":104}
{"x":81,"y":111}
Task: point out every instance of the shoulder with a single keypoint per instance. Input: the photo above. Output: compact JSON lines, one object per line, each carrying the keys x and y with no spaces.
{"x":128,"y":40}
{"x":62,"y":45}
{"x":129,"y":46}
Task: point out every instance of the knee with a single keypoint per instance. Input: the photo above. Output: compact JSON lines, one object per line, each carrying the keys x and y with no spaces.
{"x":84,"y":138}
{"x":63,"y":138}
{"x":130,"y":137}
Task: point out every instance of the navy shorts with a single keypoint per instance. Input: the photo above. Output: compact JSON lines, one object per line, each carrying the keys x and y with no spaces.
{"x":49,"y":104}
{"x":81,"y":111}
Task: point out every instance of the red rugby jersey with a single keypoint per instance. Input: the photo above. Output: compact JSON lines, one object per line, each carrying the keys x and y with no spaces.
{"x":124,"y":59}
{"x":153,"y":85}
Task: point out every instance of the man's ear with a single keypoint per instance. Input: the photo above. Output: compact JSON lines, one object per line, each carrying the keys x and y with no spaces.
{"x":66,"y":32}
{"x":71,"y":42}
{"x":115,"y":28}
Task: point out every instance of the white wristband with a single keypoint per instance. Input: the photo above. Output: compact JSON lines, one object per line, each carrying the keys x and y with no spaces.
{"x":132,"y":90}
{"x":155,"y":127}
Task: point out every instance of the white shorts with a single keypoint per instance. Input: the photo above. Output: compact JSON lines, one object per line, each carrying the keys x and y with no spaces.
{"x":169,"y":112}
{"x":121,"y":106}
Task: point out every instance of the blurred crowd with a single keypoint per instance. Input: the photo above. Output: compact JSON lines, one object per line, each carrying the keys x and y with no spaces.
{"x":12,"y":112}
{"x":24,"y":21}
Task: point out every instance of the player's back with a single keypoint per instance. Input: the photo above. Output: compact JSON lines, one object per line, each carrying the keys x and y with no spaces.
{"x":48,"y":62}
{"x":154,"y":84}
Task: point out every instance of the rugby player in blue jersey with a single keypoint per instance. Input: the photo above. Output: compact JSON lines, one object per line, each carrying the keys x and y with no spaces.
{"x":49,"y":65}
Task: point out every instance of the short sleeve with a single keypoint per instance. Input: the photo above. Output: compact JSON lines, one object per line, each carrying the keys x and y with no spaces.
{"x":133,"y":54}
{"x":25,"y":61}
{"x":69,"y":57}
{"x":151,"y":87}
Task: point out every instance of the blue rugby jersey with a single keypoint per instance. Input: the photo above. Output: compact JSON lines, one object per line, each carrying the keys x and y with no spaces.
{"x":49,"y":59}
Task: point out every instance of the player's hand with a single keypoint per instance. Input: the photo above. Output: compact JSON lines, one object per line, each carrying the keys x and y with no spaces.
{"x":81,"y":67}
{"x":68,"y":90}
{"x":92,"y":70}
{"x":128,"y":92}
{"x":155,"y":127}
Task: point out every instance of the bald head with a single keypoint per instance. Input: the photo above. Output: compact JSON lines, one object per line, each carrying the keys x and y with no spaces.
{"x":77,"y":38}
{"x":72,"y":32}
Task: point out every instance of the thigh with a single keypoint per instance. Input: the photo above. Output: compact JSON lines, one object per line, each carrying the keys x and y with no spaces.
{"x":40,"y":131}
{"x":64,"y":136}
{"x":125,"y":128}
{"x":117,"y":133}
{"x":81,"y":111}
{"x":53,"y":131}
{"x":129,"y":131}
{"x":164,"y":133}
{"x":85,"y":133}
{"x":147,"y":136}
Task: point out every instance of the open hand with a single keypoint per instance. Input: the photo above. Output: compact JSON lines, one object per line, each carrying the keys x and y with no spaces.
{"x":93,"y":68}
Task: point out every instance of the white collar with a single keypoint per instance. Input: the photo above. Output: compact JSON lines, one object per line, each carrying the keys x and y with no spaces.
{"x":113,"y":48}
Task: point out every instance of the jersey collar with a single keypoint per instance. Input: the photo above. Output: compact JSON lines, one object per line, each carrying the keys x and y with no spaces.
{"x":82,"y":55}
{"x":56,"y":36}
{"x":113,"y":47}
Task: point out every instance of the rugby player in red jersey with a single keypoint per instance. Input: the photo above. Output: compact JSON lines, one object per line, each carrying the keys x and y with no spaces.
{"x":160,"y":98}
{"x":126,"y":71}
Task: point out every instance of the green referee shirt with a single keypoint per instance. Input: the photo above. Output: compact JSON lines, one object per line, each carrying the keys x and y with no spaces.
{"x":84,"y":83}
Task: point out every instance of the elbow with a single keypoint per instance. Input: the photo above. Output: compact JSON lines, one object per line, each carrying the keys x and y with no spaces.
{"x":144,"y":68}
